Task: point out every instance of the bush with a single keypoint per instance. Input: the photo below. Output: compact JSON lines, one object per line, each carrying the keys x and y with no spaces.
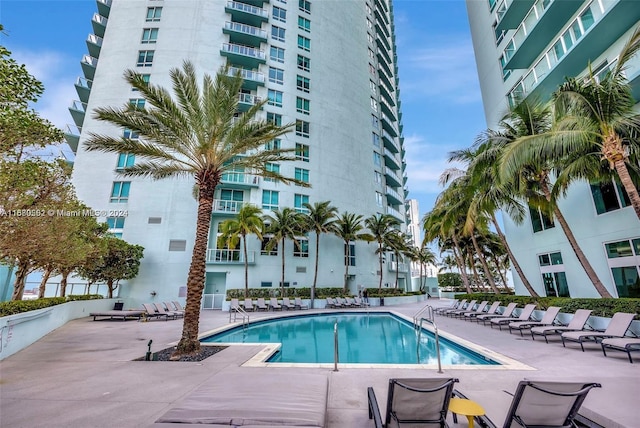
{"x":600,"y":307}
{"x":75,"y":297}
{"x":449,"y":280}
{"x":18,"y":306}
{"x":305,"y":293}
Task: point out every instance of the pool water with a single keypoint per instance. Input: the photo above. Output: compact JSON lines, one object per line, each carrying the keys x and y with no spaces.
{"x":375,"y":338}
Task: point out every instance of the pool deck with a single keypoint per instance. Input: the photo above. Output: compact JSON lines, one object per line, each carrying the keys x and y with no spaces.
{"x":81,"y":375}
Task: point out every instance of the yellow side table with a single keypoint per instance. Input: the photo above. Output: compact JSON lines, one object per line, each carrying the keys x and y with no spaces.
{"x":467,"y":408}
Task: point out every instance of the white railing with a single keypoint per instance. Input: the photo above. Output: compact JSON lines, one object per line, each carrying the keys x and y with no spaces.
{"x":394,"y":212}
{"x":399,"y":267}
{"x":244,"y":50}
{"x":100,"y":19}
{"x":84,"y":83}
{"x":105,"y":2}
{"x":89,"y":60}
{"x":393,"y":193}
{"x":78,"y":105}
{"x":243,"y":7}
{"x":240,"y":178}
{"x":389,"y":171}
{"x":388,"y":154}
{"x":230,"y":256}
{"x":227,"y":206}
{"x":247,"y":74}
{"x":92,"y":38}
{"x":246,"y":29}
{"x":248,"y":99}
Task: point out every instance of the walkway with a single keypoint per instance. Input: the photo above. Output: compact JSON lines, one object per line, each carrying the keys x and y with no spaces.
{"x":81,"y":375}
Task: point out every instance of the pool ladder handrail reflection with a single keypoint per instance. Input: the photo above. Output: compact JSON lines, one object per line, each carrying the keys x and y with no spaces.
{"x":239,"y":310}
{"x":430,"y":320}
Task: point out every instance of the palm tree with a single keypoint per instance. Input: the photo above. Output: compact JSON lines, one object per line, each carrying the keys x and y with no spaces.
{"x":282,"y":225}
{"x":380,"y":225}
{"x":193,"y":132}
{"x":247,"y":222}
{"x":320,"y":218}
{"x":531,"y":174}
{"x":399,"y":243}
{"x":348,"y":227}
{"x":424,"y":256}
{"x":596,"y":127}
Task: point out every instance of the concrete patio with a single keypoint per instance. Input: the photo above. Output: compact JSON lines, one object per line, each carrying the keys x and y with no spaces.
{"x":82,"y":375}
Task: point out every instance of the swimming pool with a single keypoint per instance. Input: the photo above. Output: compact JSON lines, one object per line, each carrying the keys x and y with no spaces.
{"x":375,"y":338}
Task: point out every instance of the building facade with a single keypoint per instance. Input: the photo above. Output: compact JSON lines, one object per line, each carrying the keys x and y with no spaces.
{"x":524,"y":50}
{"x":328,"y":66}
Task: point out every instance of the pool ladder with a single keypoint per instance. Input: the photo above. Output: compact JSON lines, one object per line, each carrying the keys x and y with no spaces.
{"x":418,"y":320}
{"x":238,"y":310}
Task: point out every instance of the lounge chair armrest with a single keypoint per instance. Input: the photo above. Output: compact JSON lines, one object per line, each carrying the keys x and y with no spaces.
{"x":374,"y":410}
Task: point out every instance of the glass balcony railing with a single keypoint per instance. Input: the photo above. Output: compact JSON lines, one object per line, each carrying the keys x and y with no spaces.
{"x":244,"y":50}
{"x":224,"y":206}
{"x":247,"y":8}
{"x":392,"y":176}
{"x":394,"y":212}
{"x":247,"y":74}
{"x":230,"y":256}
{"x":248,"y":99}
{"x":246,"y":29}
{"x":99,"y":24}
{"x":240,"y":178}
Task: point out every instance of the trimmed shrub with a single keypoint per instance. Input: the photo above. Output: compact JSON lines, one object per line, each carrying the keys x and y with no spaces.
{"x":305,"y":293}
{"x":18,"y":306}
{"x":450,"y":280}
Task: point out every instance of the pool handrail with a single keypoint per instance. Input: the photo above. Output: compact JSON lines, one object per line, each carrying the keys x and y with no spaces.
{"x":336,"y":356}
{"x":416,"y":317}
{"x":239,"y":310}
{"x":435,"y":328}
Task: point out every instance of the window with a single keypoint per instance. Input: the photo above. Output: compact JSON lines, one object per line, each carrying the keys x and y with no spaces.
{"x":266,"y":284}
{"x":149,"y":35}
{"x":350,"y":254}
{"x":270,"y":200}
{"x":304,"y":43}
{"x":273,"y":251}
{"x":129,"y":134}
{"x":373,"y":87}
{"x":304,"y":63}
{"x":550,"y":259}
{"x":272,"y":167}
{"x":275,"y":98}
{"x":369,"y":25}
{"x":540,"y":220}
{"x":370,"y":38}
{"x":145,"y":58}
{"x":375,"y":122}
{"x":115,"y":225}
{"x":372,"y":54}
{"x":379,"y":200}
{"x":125,"y":160}
{"x":377,"y":177}
{"x":303,"y":83}
{"x":609,"y":196}
{"x":154,"y":14}
{"x":276,"y":75}
{"x":276,"y":54}
{"x":304,"y":6}
{"x":624,"y":262}
{"x":230,"y":200}
{"x":299,"y":201}
{"x":273,"y":145}
{"x":274,"y":118}
{"x":372,"y":70}
{"x":553,"y":275}
{"x":302,"y":105}
{"x":302,"y":175}
{"x":120,"y":191}
{"x":304,"y":24}
{"x":279,"y":14}
{"x":137,"y":102}
{"x":302,"y":128}
{"x":301,"y":248}
{"x":377,"y":159}
{"x":302,"y":152}
{"x":368,"y":8}
{"x":145,"y":78}
{"x":277,"y":33}
{"x":374,"y":104}
{"x":375,"y":138}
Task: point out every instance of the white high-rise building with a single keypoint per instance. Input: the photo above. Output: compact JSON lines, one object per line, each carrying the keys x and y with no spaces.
{"x":524,"y":50}
{"x":328,"y":66}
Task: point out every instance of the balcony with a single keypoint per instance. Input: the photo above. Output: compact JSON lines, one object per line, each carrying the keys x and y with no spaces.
{"x":541,"y":24}
{"x":251,"y":79}
{"x":633,"y":75}
{"x":83,"y":88}
{"x":387,"y":80}
{"x":389,"y":142}
{"x":99,"y":24}
{"x":388,"y":125}
{"x":245,"y":56}
{"x":383,"y":41}
{"x":382,"y":30}
{"x":239,"y":180}
{"x":244,"y":34}
{"x":601,"y":29}
{"x":391,"y":161}
{"x":246,"y":13}
{"x":230,"y":257}
{"x":384,"y":91}
{"x":395,"y":213}
{"x":386,"y":108}
{"x":393,"y":197}
{"x":72,"y":136}
{"x":380,"y":4}
{"x":393,"y":179}
{"x":78,"y":110}
{"x":511,"y":12}
{"x":246,"y":101}
{"x":221,"y":206}
{"x":381,"y":16}
{"x":89,"y":64}
{"x":94,"y":44}
{"x":385,"y":66}
{"x":104,"y":7}
{"x":395,"y":266}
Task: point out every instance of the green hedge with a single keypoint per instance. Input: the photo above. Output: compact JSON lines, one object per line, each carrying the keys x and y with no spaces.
{"x":600,"y":307}
{"x":18,"y":306}
{"x":305,"y":293}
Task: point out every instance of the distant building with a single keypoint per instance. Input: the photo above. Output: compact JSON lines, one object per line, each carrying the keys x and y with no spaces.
{"x":525,"y":49}
{"x":330,"y":67}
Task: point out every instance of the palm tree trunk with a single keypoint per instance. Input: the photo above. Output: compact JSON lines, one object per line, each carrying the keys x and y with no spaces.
{"x":346,"y":266}
{"x":514,"y":261}
{"x":21,"y":277}
{"x":632,"y":191}
{"x":282,"y":282}
{"x":591,"y":273}
{"x":246,"y":266}
{"x":197,"y":272}
{"x":485,"y":267}
{"x":43,"y":282}
{"x":380,"y":262}
{"x":461,"y":265}
{"x":478,"y":281}
{"x":397,"y":270}
{"x":315,"y":270}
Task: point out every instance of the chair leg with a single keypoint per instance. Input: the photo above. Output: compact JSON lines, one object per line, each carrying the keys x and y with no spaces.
{"x":629,"y":355}
{"x":603,"y":350}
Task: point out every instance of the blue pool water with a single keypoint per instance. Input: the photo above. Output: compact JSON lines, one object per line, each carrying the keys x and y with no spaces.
{"x":375,"y":338}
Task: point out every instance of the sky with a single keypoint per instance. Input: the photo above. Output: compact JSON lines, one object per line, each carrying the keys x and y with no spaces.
{"x":440,"y":94}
